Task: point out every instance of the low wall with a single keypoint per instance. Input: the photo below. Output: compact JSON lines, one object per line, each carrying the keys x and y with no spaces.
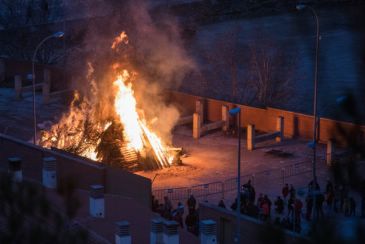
{"x":9,"y":68}
{"x":264,"y":119}
{"x":82,"y":171}
{"x":250,"y":228}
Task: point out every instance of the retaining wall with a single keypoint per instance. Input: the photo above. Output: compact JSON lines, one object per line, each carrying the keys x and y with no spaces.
{"x":264,"y":119}
{"x":84,"y":172}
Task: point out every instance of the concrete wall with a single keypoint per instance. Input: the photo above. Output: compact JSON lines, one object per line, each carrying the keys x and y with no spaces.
{"x":84,"y":172}
{"x":250,"y":228}
{"x":15,"y":67}
{"x":118,"y":181}
{"x":295,"y":124}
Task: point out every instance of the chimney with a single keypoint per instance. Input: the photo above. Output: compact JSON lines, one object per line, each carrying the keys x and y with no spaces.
{"x":156,"y":236}
{"x":170,"y":233}
{"x":15,"y":169}
{"x":208,"y":229}
{"x":96,"y":201}
{"x":122,"y":234}
{"x":49,"y":176}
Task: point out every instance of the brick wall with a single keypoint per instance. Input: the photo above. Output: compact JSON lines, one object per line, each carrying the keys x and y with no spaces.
{"x":264,"y":119}
{"x":250,"y":228}
{"x":84,"y":172}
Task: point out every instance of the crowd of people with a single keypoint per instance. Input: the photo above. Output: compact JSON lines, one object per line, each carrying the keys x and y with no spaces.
{"x":285,"y":211}
{"x":167,"y":211}
{"x":289,"y":209}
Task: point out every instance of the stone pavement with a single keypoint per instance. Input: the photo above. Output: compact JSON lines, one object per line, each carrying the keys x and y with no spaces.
{"x":212,"y":158}
{"x":16,"y":116}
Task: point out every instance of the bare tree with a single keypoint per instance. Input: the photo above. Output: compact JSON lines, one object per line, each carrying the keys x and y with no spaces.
{"x":23,"y":24}
{"x":258,"y":73}
{"x":270,"y":72}
{"x":223,"y":61}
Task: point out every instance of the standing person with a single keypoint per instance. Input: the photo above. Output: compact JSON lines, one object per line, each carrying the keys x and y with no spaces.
{"x":285,"y":191}
{"x":191,"y":202}
{"x":265,"y":210}
{"x":329,"y":186}
{"x":346,"y":206}
{"x":352,"y":206}
{"x":310,"y":187}
{"x":330,"y":199}
{"x":290,"y":206}
{"x":234,"y":204}
{"x":252,"y":194}
{"x":343,"y":196}
{"x":180,"y":208}
{"x":191,"y":221}
{"x":336,"y":200}
{"x":221,"y":204}
{"x":155,"y":204}
{"x":260,"y":200}
{"x":178,"y":214}
{"x":268,"y":201}
{"x":279,"y":205}
{"x":362,"y":192}
{"x":309,"y":206}
{"x":298,"y":205}
{"x":167,"y":208}
{"x":292,"y":192}
{"x":319,"y":205}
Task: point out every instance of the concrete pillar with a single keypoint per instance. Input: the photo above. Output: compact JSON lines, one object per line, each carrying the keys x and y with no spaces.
{"x":199,"y":109}
{"x":225,"y":117}
{"x":122,"y":234}
{"x":208,"y":232}
{"x":46,"y":87}
{"x":156,"y":236}
{"x":18,"y":86}
{"x":96,"y":201}
{"x":2,"y":70}
{"x":49,"y":175}
{"x":196,"y":125}
{"x":280,"y":128}
{"x":170,"y":233}
{"x":250,"y":137}
{"x":15,"y":169}
{"x":330,"y":152}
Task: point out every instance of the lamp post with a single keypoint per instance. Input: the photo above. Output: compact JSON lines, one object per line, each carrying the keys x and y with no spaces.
{"x":237,"y":112}
{"x":314,"y":143}
{"x":54,"y":35}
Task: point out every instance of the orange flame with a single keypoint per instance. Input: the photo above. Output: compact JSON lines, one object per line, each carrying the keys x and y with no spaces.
{"x":70,"y":131}
{"x":136,"y":131}
{"x":121,"y":38}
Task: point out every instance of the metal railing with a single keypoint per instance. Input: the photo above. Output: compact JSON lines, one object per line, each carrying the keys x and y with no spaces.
{"x":221,"y":188}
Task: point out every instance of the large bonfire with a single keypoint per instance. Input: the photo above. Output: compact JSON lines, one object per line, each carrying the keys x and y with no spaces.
{"x":123,"y":137}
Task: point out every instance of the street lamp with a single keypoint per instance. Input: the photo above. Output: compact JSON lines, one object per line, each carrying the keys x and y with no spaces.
{"x":237,"y":112}
{"x":54,"y":35}
{"x":314,"y":143}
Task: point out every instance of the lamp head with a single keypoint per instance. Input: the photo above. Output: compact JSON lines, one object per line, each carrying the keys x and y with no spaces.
{"x":341,"y":99}
{"x":234,"y":111}
{"x":301,"y":6}
{"x":58,"y":34}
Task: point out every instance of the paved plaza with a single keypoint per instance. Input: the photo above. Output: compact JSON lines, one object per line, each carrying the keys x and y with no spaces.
{"x":209,"y":164}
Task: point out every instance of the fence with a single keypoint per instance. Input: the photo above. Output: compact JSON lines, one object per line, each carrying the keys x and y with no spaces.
{"x":221,"y":189}
{"x":295,"y":169}
{"x":205,"y":190}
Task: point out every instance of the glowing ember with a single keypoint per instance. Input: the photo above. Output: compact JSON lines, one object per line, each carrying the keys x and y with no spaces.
{"x":83,"y":132}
